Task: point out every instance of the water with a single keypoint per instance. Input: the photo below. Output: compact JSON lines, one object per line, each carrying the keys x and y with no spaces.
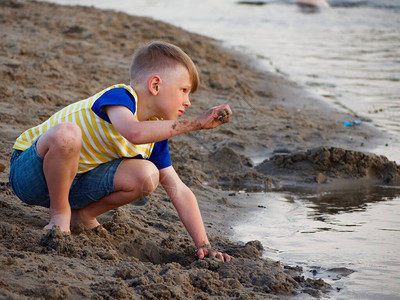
{"x":349,"y":55}
{"x":348,"y":237}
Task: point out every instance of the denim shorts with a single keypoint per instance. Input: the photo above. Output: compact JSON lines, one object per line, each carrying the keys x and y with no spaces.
{"x":28,"y":181}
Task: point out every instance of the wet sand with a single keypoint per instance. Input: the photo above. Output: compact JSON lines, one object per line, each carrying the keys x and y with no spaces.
{"x":54,"y":55}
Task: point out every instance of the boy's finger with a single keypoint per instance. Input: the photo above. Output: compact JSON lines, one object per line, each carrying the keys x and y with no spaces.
{"x":223,"y":115}
{"x":220,"y":256}
{"x":227,"y":257}
{"x":203,"y":252}
{"x":200,"y":253}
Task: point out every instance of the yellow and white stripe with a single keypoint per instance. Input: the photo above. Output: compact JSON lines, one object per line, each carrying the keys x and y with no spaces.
{"x":100,"y":140}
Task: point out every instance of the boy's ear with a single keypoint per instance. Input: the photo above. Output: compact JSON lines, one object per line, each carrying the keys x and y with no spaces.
{"x":154,"y":84}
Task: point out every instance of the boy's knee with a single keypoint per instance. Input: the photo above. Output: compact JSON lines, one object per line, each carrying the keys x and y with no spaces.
{"x":67,"y":135}
{"x":137,"y":175}
{"x":150,"y":178}
{"x":64,"y":138}
{"x":68,"y":129}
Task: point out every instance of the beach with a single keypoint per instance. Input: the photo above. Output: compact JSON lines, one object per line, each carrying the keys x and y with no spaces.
{"x":54,"y":55}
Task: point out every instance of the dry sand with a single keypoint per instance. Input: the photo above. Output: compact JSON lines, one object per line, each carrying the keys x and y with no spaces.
{"x":54,"y":55}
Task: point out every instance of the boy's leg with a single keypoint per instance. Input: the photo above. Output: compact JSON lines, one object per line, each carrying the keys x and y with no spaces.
{"x":60,"y":148}
{"x":134,"y":178}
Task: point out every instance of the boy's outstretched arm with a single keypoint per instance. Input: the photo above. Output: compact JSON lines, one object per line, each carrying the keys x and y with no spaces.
{"x":154,"y":131}
{"x":188,"y":210}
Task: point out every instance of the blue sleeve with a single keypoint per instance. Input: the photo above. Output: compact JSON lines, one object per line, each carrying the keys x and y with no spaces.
{"x":116,"y":96}
{"x":160,"y":155}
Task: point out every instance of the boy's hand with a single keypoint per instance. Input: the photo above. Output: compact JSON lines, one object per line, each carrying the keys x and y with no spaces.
{"x":206,"y":251}
{"x":215,"y":116}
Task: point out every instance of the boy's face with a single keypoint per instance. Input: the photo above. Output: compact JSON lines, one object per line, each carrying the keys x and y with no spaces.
{"x":173,"y":95}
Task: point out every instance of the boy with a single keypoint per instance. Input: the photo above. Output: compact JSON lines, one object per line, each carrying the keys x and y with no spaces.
{"x":112,"y":148}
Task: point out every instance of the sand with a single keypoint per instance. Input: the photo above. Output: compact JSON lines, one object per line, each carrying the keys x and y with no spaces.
{"x":54,"y":55}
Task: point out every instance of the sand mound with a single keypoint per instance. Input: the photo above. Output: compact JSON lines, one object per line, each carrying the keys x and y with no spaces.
{"x":323,"y":164}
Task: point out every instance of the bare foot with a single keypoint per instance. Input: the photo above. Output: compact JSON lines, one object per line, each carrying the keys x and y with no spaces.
{"x":61,"y":220}
{"x":79,"y":218}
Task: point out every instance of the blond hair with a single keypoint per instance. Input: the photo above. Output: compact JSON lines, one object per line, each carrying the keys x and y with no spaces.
{"x":158,"y":57}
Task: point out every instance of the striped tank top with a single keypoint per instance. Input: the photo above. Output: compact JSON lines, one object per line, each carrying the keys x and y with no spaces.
{"x":100,"y":141}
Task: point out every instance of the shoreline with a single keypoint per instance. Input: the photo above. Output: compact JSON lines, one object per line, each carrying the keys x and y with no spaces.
{"x":53,"y":55}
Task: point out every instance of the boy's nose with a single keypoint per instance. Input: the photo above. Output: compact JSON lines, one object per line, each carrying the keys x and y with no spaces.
{"x":187,"y":102}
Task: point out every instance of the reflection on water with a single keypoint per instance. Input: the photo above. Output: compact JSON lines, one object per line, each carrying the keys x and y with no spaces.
{"x":349,"y":235}
{"x":347,"y":196}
